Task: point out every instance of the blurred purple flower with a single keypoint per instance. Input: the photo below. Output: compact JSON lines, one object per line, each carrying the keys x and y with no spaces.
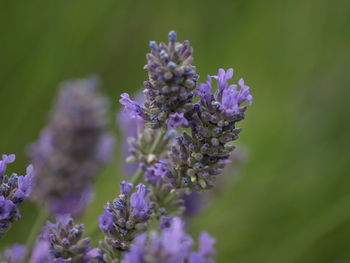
{"x":172,"y":245}
{"x":72,"y":148}
{"x":14,"y":254}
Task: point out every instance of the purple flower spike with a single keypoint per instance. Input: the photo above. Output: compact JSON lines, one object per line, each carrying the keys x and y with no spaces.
{"x":72,"y":149}
{"x":177,"y":120}
{"x":63,"y":242}
{"x":125,"y":188}
{"x":14,"y":189}
{"x":124,"y":218}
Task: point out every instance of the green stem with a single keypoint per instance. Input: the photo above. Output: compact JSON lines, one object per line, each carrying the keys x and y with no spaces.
{"x":39,"y":222}
{"x":157,"y":141}
{"x":136,"y":178}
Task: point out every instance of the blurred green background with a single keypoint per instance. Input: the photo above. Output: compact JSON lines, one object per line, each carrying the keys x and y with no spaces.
{"x":293,"y":202}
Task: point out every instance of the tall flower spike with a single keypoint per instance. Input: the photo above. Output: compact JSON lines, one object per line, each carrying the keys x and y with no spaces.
{"x":63,"y":242}
{"x":72,"y":148}
{"x":200,"y":156}
{"x":172,"y":80}
{"x":14,"y":189}
{"x":171,"y":245}
{"x":123,"y":219}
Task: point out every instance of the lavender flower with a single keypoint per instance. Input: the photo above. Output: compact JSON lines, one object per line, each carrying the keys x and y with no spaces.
{"x":170,"y":246}
{"x":172,"y":80}
{"x":63,"y":242}
{"x":14,"y":254}
{"x":14,"y":189}
{"x":72,"y":148}
{"x":123,"y":219}
{"x":200,"y":156}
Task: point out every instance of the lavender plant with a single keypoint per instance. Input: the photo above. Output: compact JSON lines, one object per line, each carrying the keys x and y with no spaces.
{"x":14,"y":189}
{"x":62,"y":242}
{"x":123,"y":219}
{"x":72,"y":148}
{"x":203,"y":132}
{"x":183,"y":141}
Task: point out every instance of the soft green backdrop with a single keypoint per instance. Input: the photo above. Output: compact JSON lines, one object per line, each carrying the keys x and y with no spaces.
{"x":293,"y":203}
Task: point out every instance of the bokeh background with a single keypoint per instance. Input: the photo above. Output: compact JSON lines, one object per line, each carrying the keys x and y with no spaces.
{"x":292,"y":203}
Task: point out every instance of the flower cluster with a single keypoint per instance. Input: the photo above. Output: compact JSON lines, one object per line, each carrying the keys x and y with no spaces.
{"x":123,"y":219}
{"x":72,"y":148}
{"x":199,"y":156}
{"x":170,"y":246}
{"x":62,"y":242}
{"x":14,"y":189}
{"x":169,"y":90}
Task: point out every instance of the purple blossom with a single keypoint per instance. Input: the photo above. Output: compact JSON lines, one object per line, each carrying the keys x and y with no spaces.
{"x":161,"y":168}
{"x":230,"y":100}
{"x":165,"y":222}
{"x":6,"y":206}
{"x":177,"y":120}
{"x":152,"y":176}
{"x":206,"y":243}
{"x":41,"y":253}
{"x":14,"y":254}
{"x":138,"y":202}
{"x":125,"y":188}
{"x":25,"y":185}
{"x":6,"y":159}
{"x":204,"y":90}
{"x":132,"y":106}
{"x":206,"y":250}
{"x":244,"y":94}
{"x":172,"y":245}
{"x":223,"y":77}
{"x":106,"y":221}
